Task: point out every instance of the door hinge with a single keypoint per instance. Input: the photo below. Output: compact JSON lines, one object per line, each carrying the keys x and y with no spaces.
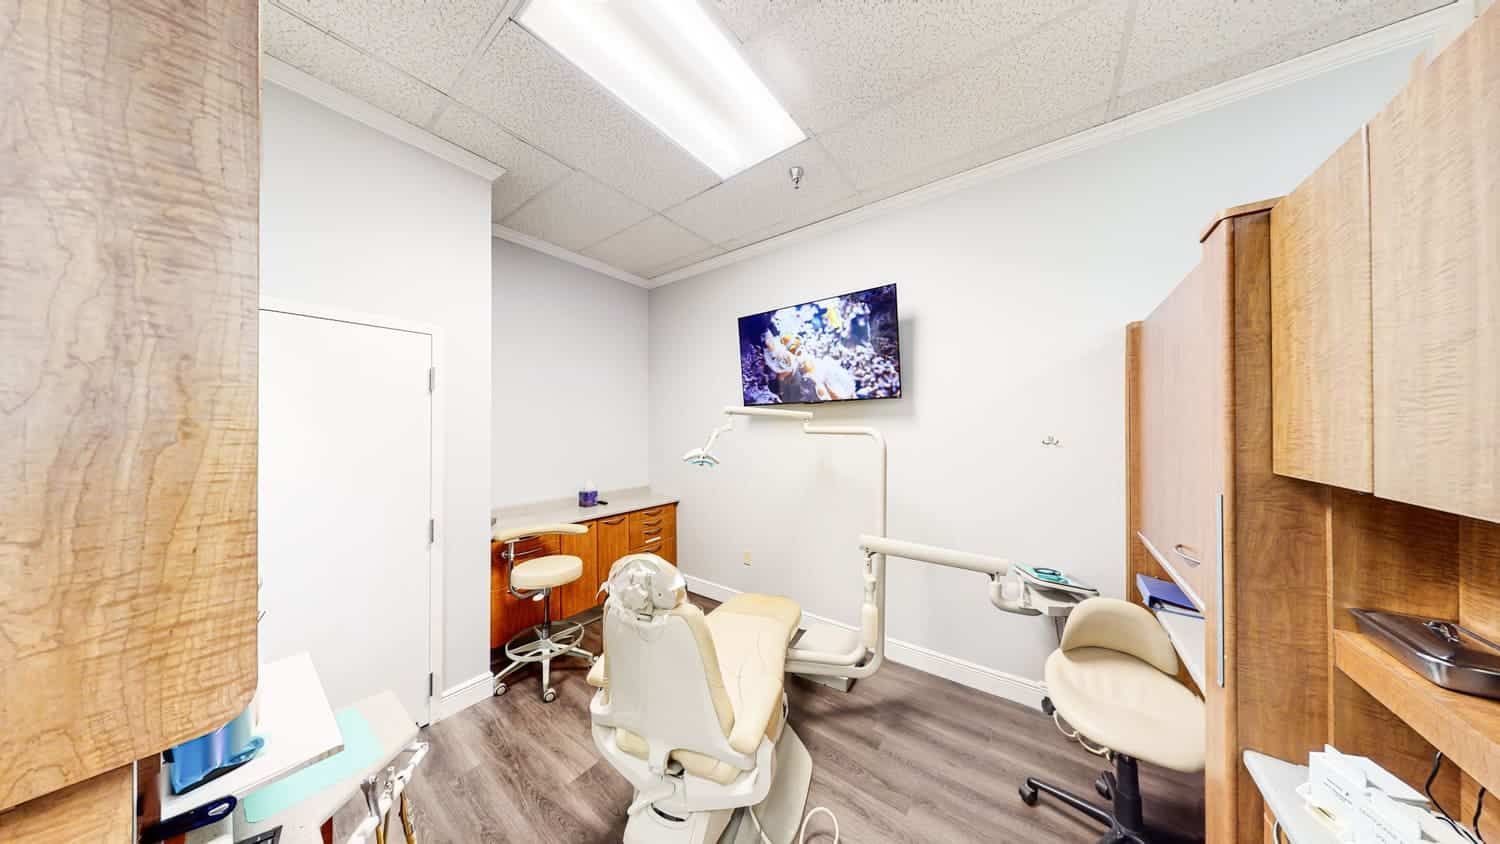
{"x":431,"y":531}
{"x":429,"y":685}
{"x":431,"y":379}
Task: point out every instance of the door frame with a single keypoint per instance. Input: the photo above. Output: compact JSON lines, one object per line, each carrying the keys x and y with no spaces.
{"x":436,"y":557}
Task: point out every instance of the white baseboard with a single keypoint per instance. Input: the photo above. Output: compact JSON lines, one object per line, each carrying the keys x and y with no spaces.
{"x":464,"y":695}
{"x":998,"y":683}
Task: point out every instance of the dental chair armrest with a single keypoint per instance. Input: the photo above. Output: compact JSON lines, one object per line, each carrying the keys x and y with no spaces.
{"x":1120,"y":626}
{"x":510,"y":534}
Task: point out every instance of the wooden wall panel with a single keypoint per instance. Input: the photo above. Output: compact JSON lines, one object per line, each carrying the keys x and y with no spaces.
{"x":1392,"y":556}
{"x":1479,"y":579}
{"x":1435,"y":220}
{"x":1276,"y":589}
{"x":1320,"y":338}
{"x":1362,"y":726}
{"x":1137,"y":559}
{"x":128,"y":296}
{"x":95,"y":811}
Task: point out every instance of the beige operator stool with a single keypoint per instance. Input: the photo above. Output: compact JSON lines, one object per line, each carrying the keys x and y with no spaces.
{"x":1114,"y":681}
{"x":534,"y":580}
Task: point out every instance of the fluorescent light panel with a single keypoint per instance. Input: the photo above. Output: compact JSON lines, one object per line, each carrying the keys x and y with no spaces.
{"x":669,"y":61}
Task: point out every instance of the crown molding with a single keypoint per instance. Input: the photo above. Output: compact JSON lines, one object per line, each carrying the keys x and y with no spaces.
{"x":1414,"y":30}
{"x":280,"y":73}
{"x":546,"y":248}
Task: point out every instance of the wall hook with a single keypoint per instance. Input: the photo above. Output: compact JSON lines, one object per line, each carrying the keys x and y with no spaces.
{"x":1052,"y":441}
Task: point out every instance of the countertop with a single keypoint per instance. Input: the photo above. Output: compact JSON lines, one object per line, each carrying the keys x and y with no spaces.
{"x":567,"y":511}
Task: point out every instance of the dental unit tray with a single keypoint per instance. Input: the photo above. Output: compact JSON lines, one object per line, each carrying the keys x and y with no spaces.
{"x":1044,"y":578}
{"x":1445,"y":653}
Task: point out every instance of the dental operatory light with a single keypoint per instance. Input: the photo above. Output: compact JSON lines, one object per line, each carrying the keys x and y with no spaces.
{"x":670,"y":62}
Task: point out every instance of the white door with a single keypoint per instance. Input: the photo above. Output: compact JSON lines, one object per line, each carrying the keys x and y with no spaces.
{"x":345,"y":499}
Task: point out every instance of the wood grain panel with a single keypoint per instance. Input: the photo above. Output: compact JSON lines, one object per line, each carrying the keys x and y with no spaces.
{"x":95,"y":811}
{"x":1465,"y":727}
{"x":578,"y":596}
{"x":1392,"y":556}
{"x":1479,"y":579}
{"x":128,"y":295}
{"x":1276,"y":606}
{"x":1364,"y":727}
{"x":1320,"y":338}
{"x":1489,"y":822}
{"x":614,"y":543}
{"x":1184,"y":413}
{"x":1137,"y":559}
{"x":1435,"y":203}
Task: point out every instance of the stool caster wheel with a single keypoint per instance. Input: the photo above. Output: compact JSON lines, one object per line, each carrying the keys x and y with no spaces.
{"x":500,"y":689}
{"x":1047,"y":707}
{"x":1101,"y":785}
{"x":549,"y":695}
{"x":1029,"y":796}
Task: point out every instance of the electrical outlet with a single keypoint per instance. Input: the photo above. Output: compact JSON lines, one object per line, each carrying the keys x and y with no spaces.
{"x":747,"y":558}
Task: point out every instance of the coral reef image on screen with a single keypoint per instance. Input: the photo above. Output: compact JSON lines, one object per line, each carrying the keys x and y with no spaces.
{"x":836,"y":349}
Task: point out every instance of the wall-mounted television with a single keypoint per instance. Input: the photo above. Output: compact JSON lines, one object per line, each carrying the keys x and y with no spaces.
{"x":843,"y":348}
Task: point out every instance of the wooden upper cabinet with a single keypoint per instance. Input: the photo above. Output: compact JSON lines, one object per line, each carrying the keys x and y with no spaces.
{"x":1435,"y":224}
{"x":128,"y":319}
{"x":1184,"y":418}
{"x":1320,"y":325}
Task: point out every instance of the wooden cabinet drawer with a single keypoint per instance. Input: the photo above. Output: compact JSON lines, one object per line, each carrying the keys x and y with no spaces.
{"x":651,"y":527}
{"x":613,"y":543}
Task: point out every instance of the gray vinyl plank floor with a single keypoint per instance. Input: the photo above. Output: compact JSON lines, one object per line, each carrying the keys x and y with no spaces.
{"x":903,"y":757}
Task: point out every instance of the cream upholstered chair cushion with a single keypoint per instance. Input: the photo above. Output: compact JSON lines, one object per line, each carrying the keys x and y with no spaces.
{"x":546,"y":572}
{"x":748,"y":636}
{"x":1113,"y":681}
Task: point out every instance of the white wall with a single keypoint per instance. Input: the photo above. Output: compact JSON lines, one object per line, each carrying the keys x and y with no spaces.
{"x":353,"y":219}
{"x":570,"y":399}
{"x":1014,"y":296}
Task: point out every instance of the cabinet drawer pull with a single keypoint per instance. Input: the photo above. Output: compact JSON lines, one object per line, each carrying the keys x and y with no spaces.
{"x":651,"y":540}
{"x":1191,"y":560}
{"x":651,"y":524}
{"x":651,"y":532}
{"x":613,"y":522}
{"x":656,"y":512}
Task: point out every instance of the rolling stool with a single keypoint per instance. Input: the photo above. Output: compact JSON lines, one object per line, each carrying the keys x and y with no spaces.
{"x":1114,"y":680}
{"x":534,"y":580}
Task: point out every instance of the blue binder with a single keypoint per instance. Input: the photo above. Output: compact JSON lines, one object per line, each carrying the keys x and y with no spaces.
{"x":1163,"y":594}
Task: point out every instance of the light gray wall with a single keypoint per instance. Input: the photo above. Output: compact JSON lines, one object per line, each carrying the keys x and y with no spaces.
{"x":1014,"y":296}
{"x":570,"y":397}
{"x":353,"y":219}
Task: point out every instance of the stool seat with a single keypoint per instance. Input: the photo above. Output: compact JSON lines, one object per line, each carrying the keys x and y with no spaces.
{"x":1129,"y":706}
{"x":546,"y":572}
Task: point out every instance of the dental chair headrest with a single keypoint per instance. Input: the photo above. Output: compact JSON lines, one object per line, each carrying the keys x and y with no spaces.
{"x":645,"y":584}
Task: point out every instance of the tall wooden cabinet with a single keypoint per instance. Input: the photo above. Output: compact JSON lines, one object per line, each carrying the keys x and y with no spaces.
{"x":128,"y":307}
{"x":1200,"y":455}
{"x":1387,"y":293}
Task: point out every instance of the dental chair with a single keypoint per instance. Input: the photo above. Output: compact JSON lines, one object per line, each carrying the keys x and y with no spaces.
{"x":1113,"y":680}
{"x":691,"y":710}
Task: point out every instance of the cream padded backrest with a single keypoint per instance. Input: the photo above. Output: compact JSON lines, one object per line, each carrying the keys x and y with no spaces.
{"x":1123,"y":627}
{"x":665,"y":685}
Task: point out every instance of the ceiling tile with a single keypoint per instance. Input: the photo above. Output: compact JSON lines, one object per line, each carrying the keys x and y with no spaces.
{"x":577,"y":213}
{"x":647,"y":245}
{"x":309,"y":49}
{"x":1035,"y":137}
{"x":685,"y":261}
{"x":1177,"y":48}
{"x":528,"y":170}
{"x":430,"y":39}
{"x":804,"y":217}
{"x":1065,"y":68}
{"x":762,"y":196}
{"x":840,"y":58}
{"x":749,"y":18}
{"x":522,"y":85}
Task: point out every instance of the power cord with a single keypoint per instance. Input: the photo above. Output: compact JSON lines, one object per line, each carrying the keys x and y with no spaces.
{"x":802,"y":830}
{"x":1475,"y":837}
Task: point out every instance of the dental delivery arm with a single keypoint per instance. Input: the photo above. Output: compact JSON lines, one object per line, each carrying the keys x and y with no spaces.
{"x":1012,"y":600}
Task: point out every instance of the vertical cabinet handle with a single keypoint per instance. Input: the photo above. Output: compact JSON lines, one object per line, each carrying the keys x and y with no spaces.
{"x":1219,"y":606}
